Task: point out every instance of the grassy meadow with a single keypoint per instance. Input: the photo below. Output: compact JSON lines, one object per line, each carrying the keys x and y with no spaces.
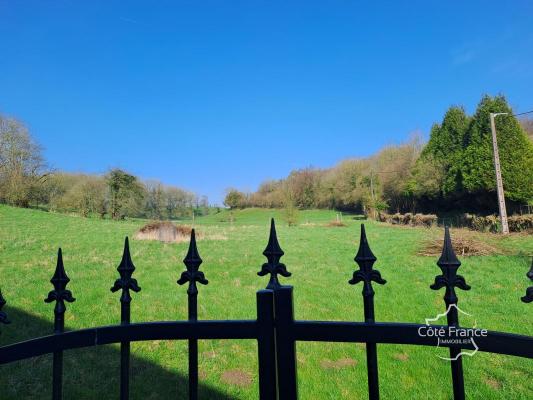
{"x":321,"y":261}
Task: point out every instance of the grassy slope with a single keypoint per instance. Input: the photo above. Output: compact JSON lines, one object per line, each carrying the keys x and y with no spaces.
{"x":320,"y":259}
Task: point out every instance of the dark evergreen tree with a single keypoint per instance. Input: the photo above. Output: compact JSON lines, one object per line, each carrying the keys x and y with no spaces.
{"x":516,"y":154}
{"x":436,"y":174}
{"x":125,"y":192}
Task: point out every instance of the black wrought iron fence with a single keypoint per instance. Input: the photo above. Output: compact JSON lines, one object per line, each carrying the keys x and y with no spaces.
{"x":275,"y":329}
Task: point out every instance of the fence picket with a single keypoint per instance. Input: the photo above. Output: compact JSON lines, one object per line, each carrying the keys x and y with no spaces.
{"x":449,"y":264}
{"x":60,"y":294}
{"x":192,"y":275}
{"x":126,"y":283}
{"x":366,"y":274}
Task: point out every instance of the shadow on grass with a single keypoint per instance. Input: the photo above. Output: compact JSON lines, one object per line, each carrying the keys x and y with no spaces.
{"x":89,"y":373}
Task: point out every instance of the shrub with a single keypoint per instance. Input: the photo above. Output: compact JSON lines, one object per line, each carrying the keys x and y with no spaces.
{"x":491,"y":223}
{"x":521,"y":223}
{"x":427,"y":220}
{"x":410,"y":219}
{"x":397,"y":219}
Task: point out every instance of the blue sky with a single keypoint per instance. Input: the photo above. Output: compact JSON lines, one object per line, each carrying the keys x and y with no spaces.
{"x":211,"y":94}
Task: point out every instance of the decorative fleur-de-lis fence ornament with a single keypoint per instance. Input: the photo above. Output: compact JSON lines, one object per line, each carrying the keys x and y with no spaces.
{"x":528,"y":298}
{"x":3,"y":315}
{"x":192,"y":275}
{"x":192,"y":261}
{"x":126,"y":282}
{"x":273,"y":253}
{"x":60,"y":294}
{"x":366,"y":274}
{"x":449,"y":264}
{"x":366,"y":259}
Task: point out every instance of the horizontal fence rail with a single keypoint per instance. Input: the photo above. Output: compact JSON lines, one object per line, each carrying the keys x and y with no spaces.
{"x":309,"y":331}
{"x":275,"y":329}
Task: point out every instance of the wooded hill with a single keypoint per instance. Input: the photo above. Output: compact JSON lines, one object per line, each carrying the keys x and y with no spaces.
{"x":453,"y":172}
{"x":26,"y":180}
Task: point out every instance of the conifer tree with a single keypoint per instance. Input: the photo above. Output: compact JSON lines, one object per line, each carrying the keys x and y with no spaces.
{"x":516,"y":153}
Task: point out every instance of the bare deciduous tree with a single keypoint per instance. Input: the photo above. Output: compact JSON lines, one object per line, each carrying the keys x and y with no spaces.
{"x":22,"y":166}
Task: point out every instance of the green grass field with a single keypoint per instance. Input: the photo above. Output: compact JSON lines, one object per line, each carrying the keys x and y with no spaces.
{"x":321,"y":261}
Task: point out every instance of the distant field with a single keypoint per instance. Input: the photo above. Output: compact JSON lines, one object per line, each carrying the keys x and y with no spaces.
{"x":321,"y":261}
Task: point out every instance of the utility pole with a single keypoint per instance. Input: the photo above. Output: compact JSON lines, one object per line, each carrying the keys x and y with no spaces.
{"x":499,"y":183}
{"x":372,"y":193}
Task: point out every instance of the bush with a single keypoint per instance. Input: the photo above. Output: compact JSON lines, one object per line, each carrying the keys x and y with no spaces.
{"x":397,"y":219}
{"x":491,"y":223}
{"x":521,"y":223}
{"x":291,"y":214}
{"x":427,"y":220}
{"x":410,"y":219}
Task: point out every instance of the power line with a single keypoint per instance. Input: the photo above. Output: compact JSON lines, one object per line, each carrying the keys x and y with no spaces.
{"x":527,"y":112}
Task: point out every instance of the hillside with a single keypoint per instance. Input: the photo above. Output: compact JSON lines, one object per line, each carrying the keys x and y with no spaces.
{"x":321,"y":261}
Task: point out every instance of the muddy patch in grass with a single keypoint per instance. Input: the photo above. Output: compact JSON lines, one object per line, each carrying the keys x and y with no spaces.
{"x":493,"y":383}
{"x":338,"y":364}
{"x":236,"y":377}
{"x":401,"y":356}
{"x":209,"y":354}
{"x":335,"y":224}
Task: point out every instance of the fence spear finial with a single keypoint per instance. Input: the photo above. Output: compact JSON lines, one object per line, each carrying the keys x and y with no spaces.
{"x":366,"y":259}
{"x":192,"y":261}
{"x":59,"y":280}
{"x":60,"y":294}
{"x":273,"y":253}
{"x":125,"y":269}
{"x":449,"y":264}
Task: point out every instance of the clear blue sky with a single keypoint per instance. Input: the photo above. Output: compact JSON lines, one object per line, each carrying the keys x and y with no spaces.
{"x":211,"y":94}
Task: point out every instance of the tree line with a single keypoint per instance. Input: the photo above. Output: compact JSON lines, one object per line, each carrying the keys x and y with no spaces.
{"x":26,"y":180}
{"x":452,"y":172}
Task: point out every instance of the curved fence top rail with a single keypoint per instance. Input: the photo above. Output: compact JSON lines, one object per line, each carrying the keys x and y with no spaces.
{"x":351,"y":332}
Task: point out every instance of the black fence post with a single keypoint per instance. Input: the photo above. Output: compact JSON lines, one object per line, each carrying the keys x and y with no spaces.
{"x":266,"y":345}
{"x":192,"y":275}
{"x":283,"y":316}
{"x":126,"y":283}
{"x":528,"y":298}
{"x":285,"y":343}
{"x":366,"y":259}
{"x":60,"y":294}
{"x":449,"y":264}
